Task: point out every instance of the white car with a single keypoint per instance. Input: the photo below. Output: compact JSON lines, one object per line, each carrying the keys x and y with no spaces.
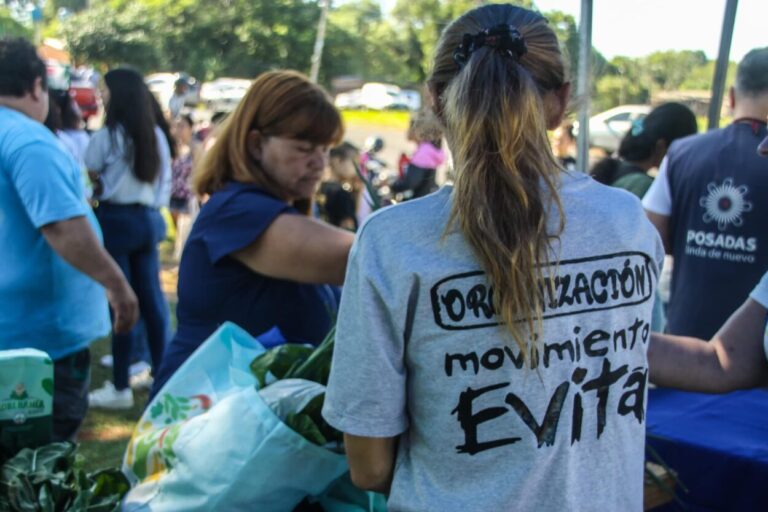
{"x":376,"y":96}
{"x":606,"y":129}
{"x":348,"y":100}
{"x":223,"y":94}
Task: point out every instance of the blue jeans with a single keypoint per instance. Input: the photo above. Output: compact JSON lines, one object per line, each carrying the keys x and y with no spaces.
{"x":131,"y":235}
{"x":71,"y":379}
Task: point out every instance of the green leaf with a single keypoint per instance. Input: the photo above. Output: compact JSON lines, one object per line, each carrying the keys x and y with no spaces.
{"x":317,"y":367}
{"x":48,"y":386}
{"x":278,"y":361}
{"x":305,"y":426}
{"x":45,"y":499}
{"x":109,"y":482}
{"x":48,"y":479}
{"x":156,"y":409}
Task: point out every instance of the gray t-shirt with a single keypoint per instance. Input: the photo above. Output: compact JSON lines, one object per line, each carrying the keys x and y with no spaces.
{"x":419,"y":354}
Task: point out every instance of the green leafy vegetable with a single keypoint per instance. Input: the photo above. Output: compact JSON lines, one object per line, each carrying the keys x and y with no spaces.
{"x":300,"y":362}
{"x":279,"y":361}
{"x":316,"y":367}
{"x":305,"y":426}
{"x":50,"y":479}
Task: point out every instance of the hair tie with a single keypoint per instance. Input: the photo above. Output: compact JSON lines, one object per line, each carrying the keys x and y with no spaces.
{"x":503,"y":38}
{"x":637,"y":127}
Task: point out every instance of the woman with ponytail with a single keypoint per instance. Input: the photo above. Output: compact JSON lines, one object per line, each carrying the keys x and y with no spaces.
{"x":491,"y":351}
{"x":644,"y":147}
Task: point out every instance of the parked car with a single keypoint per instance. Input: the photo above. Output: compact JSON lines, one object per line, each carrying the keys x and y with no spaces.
{"x":606,"y":129}
{"x":223,"y":94}
{"x":377,"y":96}
{"x":348,"y":100}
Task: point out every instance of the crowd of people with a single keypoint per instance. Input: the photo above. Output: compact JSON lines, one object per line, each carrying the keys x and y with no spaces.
{"x":451,"y":308}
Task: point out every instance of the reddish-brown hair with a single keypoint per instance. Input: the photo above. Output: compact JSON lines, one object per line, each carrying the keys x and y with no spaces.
{"x":280,"y":104}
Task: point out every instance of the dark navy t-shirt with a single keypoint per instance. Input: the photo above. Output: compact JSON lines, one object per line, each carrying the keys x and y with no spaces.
{"x":719,"y":225}
{"x":215,"y":288}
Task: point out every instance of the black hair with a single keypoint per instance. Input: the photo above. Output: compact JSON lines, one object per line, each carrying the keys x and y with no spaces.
{"x":218,"y":117}
{"x":63,"y":107}
{"x":162,"y":122}
{"x":20,"y":66}
{"x":752,"y":73}
{"x":345,"y":150}
{"x":187,"y":119}
{"x":130,"y":107}
{"x":53,"y":121}
{"x":667,"y":122}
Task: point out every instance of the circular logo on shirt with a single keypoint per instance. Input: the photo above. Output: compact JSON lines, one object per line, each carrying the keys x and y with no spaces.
{"x":725,"y":204}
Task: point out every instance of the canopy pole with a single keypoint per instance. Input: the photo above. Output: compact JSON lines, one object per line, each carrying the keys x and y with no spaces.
{"x":317,"y":53}
{"x":583,"y":84}
{"x":721,"y":69}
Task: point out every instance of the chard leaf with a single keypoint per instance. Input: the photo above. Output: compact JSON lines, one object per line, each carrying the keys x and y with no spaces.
{"x":278,"y":361}
{"x":108,"y":483}
{"x":305,"y":426}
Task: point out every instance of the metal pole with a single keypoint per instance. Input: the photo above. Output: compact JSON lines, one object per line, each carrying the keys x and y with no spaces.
{"x":317,"y":54}
{"x":721,"y":69}
{"x":583,"y":83}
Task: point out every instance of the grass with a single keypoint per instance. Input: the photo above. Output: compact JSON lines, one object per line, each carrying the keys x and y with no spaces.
{"x":395,"y":119}
{"x":105,"y":434}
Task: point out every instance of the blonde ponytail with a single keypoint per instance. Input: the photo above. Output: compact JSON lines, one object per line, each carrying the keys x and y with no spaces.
{"x":506,"y":175}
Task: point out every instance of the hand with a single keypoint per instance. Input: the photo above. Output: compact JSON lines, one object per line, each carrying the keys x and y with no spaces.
{"x":125,"y":306}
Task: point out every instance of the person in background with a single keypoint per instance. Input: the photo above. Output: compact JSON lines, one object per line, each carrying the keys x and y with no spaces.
{"x":564,"y":145}
{"x":455,"y":376}
{"x":644,"y":147}
{"x":181,"y":187}
{"x":254,"y":256}
{"x":184,"y":206}
{"x":65,"y":122}
{"x":708,"y":205}
{"x":340,"y":192}
{"x":735,"y":358}
{"x":72,"y":132}
{"x":55,"y":270}
{"x":420,"y":179}
{"x":131,"y":160}
{"x":176,"y":102}
{"x":206,"y":136}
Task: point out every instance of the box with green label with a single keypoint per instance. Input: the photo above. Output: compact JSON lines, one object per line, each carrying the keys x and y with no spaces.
{"x":26,"y":399}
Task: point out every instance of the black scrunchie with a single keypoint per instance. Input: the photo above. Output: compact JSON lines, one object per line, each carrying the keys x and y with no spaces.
{"x":502,"y":38}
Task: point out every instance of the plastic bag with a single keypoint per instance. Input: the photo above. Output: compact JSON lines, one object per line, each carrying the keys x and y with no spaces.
{"x":208,"y":441}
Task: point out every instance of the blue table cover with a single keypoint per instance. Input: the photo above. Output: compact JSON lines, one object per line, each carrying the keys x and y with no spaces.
{"x":718,"y":445}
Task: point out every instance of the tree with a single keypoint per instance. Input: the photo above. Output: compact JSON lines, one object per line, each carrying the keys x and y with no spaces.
{"x":106,"y":38}
{"x":10,"y":27}
{"x":669,"y":69}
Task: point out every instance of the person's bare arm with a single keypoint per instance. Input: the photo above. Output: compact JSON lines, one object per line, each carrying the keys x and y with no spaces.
{"x":371,"y":461}
{"x":75,"y":241}
{"x":661,"y":222}
{"x":733,"y":359}
{"x":300,"y":249}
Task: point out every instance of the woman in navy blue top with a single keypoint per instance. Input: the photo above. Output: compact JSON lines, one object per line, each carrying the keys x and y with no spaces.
{"x":254,"y":256}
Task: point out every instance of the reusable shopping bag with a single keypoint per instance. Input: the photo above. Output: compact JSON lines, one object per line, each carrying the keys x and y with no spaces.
{"x":208,"y":441}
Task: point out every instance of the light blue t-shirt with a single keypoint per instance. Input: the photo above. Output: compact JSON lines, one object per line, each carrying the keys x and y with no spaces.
{"x":44,"y":302}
